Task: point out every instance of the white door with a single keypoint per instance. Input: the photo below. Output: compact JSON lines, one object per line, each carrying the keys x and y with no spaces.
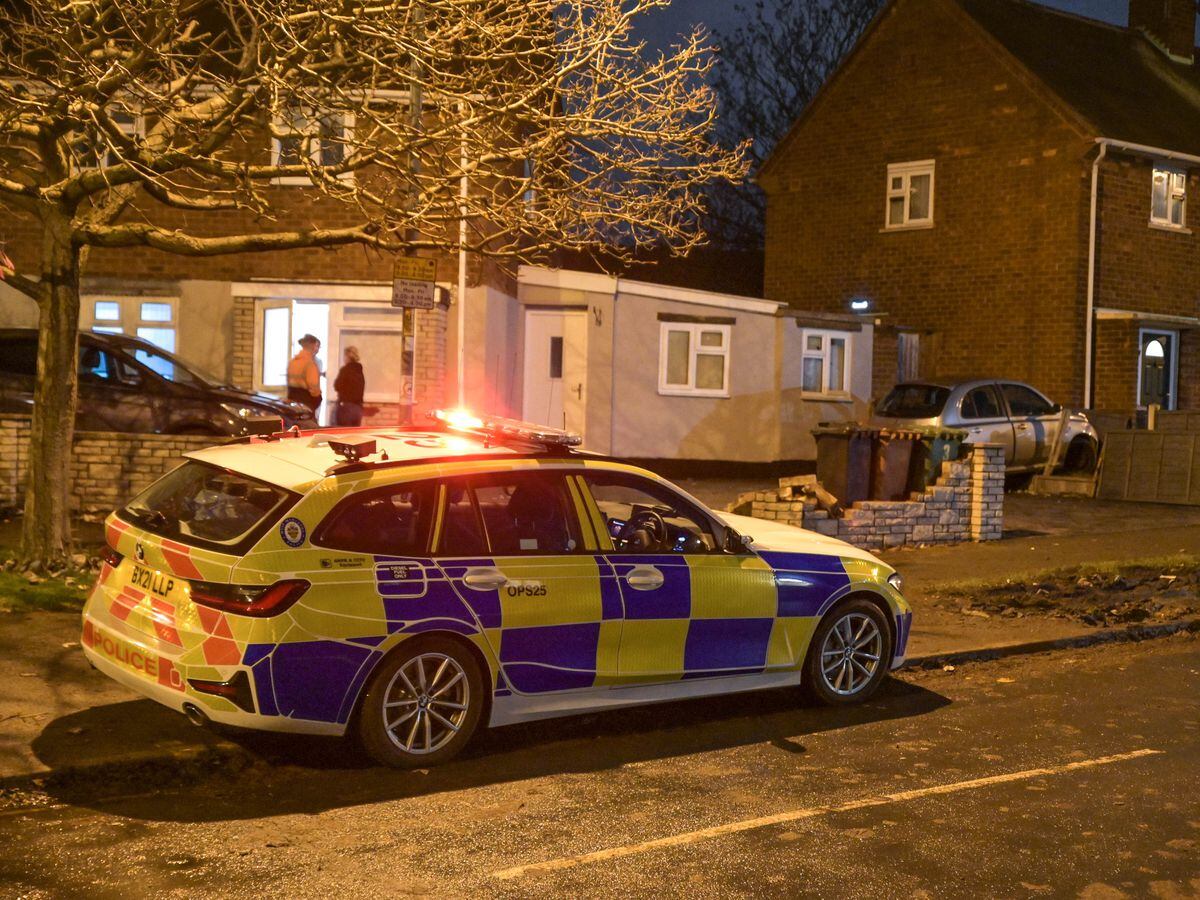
{"x":555,"y":367}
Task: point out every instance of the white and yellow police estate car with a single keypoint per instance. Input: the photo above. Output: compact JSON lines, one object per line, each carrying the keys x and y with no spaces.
{"x":408,"y":584}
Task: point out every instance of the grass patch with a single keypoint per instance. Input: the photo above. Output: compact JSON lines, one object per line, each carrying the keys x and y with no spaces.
{"x":60,"y":594}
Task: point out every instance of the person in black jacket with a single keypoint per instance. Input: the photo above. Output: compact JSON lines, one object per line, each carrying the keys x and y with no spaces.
{"x":349,"y":385}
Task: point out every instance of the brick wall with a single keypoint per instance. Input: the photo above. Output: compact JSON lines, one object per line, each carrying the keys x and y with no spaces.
{"x":998,"y":282}
{"x":109,"y":468}
{"x":966,"y":503}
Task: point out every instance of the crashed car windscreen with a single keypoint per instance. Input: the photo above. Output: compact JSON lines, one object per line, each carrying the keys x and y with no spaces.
{"x":913,"y":401}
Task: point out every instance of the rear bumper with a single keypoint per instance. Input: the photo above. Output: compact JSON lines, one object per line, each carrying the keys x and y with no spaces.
{"x":136,"y":666}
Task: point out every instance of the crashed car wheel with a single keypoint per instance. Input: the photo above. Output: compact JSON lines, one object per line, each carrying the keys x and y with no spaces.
{"x":1081,"y":456}
{"x":849,"y":654}
{"x":423,"y":704}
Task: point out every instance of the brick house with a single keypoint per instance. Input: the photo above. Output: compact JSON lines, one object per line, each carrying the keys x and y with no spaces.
{"x":1004,"y":188}
{"x":238,"y":316}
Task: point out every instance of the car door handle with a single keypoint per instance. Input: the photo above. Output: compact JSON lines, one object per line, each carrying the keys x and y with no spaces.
{"x":645,"y":578}
{"x":484,"y":579}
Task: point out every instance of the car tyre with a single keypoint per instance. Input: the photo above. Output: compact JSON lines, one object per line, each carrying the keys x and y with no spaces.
{"x":1081,"y":456}
{"x":422,"y":704}
{"x":849,"y":655}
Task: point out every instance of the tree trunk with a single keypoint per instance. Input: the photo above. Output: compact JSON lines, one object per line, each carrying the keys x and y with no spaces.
{"x":46,"y":526}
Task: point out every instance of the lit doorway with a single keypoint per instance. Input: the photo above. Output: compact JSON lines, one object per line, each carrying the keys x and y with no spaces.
{"x":383,"y":335}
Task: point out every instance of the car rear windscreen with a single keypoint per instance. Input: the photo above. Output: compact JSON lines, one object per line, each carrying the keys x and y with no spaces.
{"x":913,"y":401}
{"x":205,"y":505}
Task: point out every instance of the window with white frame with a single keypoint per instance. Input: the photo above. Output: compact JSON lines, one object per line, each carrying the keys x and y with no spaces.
{"x":693,"y":359}
{"x":301,"y":136}
{"x":910,"y":194}
{"x":1168,"y":197}
{"x":825,"y":364}
{"x":96,"y":151}
{"x":153,"y":318}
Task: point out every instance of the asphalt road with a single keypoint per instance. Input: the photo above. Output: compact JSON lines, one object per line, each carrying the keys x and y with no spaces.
{"x":1068,"y":774}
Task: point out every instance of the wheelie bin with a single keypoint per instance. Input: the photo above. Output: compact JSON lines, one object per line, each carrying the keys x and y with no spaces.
{"x":935,"y":446}
{"x":844,"y":460}
{"x":892,"y":462}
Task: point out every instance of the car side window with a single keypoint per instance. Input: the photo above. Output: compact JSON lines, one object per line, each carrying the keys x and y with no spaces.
{"x":95,"y":365}
{"x":526,"y":512}
{"x":633,"y":507}
{"x":1025,"y":401}
{"x":461,"y":532}
{"x":981,"y":403}
{"x":391,"y":521}
{"x":127,"y":373}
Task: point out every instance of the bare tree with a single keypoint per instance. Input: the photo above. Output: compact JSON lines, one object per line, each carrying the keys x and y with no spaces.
{"x":768,"y":70}
{"x":125,"y":123}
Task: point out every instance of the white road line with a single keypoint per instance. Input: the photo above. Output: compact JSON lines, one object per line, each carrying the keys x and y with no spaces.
{"x":691,"y":837}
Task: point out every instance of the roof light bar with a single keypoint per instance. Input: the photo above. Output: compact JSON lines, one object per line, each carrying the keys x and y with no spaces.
{"x":500,"y":430}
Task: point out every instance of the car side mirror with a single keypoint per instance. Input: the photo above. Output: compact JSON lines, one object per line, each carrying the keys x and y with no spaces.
{"x":737,"y":543}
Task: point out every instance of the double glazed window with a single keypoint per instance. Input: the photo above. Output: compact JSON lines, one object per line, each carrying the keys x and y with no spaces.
{"x":154,"y":319}
{"x":825,"y":366}
{"x":1168,"y":199}
{"x":97,"y":152}
{"x":694,"y":359}
{"x":302,"y":136}
{"x":910,"y":194}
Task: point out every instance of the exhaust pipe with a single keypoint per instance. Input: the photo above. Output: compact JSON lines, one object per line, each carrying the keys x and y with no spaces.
{"x":196,"y":716}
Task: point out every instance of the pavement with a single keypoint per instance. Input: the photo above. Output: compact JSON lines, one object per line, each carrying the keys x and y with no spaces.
{"x":1068,"y":774}
{"x":59,"y":718}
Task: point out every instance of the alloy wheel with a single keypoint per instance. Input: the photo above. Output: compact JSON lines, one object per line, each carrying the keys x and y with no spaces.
{"x":851,"y":654}
{"x":425,"y":703}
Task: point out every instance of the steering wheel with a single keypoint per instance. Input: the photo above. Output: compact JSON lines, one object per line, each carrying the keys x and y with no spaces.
{"x":645,"y":530}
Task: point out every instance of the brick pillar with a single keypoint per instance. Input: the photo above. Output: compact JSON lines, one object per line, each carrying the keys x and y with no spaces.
{"x":430,"y":375}
{"x":243,"y":342}
{"x":987,"y":492}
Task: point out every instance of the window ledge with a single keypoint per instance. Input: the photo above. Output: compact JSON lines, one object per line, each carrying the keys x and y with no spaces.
{"x":827,"y":398}
{"x":1165,"y":226}
{"x":684,"y":392}
{"x":919,"y":226}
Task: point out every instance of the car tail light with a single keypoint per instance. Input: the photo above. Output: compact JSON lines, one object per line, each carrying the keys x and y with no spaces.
{"x":247,"y":600}
{"x":111,"y":556}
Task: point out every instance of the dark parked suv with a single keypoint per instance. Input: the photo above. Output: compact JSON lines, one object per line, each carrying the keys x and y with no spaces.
{"x":129,"y":384}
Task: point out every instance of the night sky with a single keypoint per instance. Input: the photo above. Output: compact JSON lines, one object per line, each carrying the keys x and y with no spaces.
{"x":661,"y":26}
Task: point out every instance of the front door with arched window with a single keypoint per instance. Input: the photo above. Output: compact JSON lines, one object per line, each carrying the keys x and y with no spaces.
{"x":1157,"y":368}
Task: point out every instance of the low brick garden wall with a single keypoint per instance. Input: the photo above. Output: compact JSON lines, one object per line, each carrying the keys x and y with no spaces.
{"x":965,"y":503}
{"x":109,"y":468}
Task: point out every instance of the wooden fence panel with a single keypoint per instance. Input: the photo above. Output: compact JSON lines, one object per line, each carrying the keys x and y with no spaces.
{"x":1158,"y":466}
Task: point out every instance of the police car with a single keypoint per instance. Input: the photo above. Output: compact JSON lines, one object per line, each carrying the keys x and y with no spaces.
{"x":409,"y":584}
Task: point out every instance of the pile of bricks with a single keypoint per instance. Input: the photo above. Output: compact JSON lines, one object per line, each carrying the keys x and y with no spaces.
{"x":109,"y":468}
{"x":965,"y":503}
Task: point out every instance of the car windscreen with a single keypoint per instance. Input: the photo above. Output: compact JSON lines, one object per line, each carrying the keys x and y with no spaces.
{"x":913,"y":401}
{"x":208,"y":506}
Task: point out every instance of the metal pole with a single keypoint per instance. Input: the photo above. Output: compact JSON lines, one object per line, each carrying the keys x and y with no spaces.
{"x":415,"y":109}
{"x":462,"y":268}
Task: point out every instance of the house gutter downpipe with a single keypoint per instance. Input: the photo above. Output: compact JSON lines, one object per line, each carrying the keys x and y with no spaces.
{"x":1089,"y":324}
